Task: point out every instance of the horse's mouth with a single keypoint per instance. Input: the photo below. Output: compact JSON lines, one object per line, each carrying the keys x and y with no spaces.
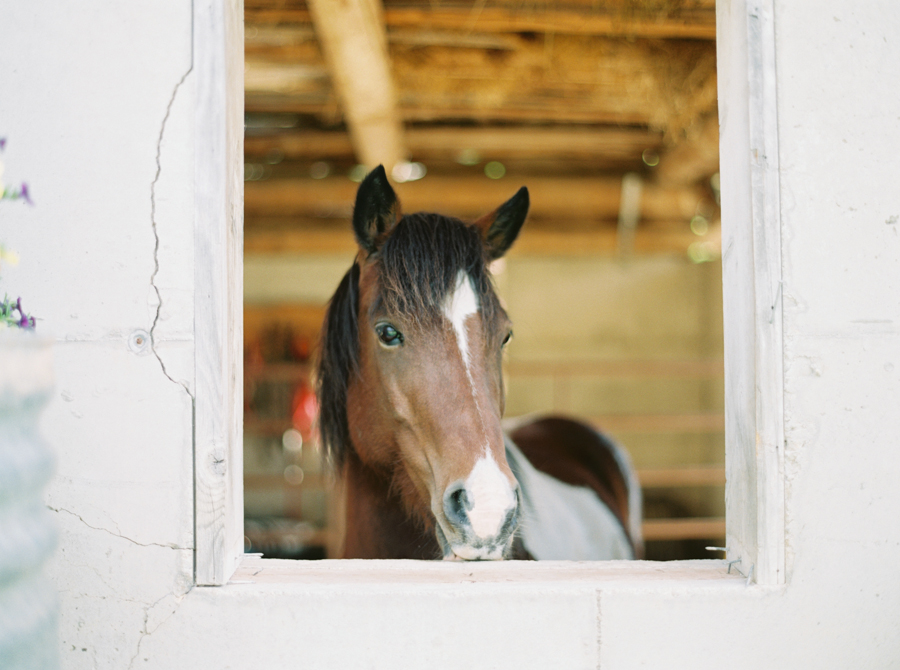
{"x":475,"y":554}
{"x":479,"y":551}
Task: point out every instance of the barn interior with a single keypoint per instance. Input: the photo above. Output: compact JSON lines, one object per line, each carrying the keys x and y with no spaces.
{"x":607,"y":111}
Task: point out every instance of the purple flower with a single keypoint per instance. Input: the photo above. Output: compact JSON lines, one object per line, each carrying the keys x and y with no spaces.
{"x":23,"y":193}
{"x":25,"y":321}
{"x":2,"y":143}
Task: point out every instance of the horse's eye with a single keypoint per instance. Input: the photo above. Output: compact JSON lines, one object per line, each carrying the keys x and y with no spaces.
{"x":507,"y":339}
{"x":389,"y":335}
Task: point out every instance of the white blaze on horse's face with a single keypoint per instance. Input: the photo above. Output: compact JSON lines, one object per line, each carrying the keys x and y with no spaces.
{"x":482,"y":509}
{"x":460,"y":305}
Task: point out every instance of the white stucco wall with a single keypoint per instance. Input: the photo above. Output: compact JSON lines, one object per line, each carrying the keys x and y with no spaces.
{"x":91,"y":97}
{"x":101,"y":130}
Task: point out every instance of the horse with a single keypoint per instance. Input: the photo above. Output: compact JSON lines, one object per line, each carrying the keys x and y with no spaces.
{"x":411,"y":396}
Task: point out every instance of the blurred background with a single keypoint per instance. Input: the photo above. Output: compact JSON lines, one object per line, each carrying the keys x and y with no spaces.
{"x":606,"y":110}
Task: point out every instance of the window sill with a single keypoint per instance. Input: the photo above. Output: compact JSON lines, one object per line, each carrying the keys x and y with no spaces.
{"x":699,"y":575}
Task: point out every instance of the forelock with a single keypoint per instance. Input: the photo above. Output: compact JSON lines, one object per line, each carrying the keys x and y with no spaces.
{"x":421,"y":260}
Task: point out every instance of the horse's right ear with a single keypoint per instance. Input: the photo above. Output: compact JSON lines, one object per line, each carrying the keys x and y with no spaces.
{"x":376,"y":212}
{"x":500,"y":228}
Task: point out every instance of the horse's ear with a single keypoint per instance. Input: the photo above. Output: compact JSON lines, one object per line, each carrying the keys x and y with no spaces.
{"x":376,"y":212}
{"x":500,"y":228}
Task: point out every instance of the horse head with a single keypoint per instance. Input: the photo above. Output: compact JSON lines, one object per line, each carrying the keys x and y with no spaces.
{"x":410,"y":378}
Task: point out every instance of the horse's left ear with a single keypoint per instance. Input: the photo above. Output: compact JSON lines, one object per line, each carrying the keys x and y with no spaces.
{"x":500,"y":228}
{"x":376,"y":212}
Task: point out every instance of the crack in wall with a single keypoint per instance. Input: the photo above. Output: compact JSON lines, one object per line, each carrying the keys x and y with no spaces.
{"x":153,"y":223}
{"x":123,"y":537}
{"x":179,"y":597}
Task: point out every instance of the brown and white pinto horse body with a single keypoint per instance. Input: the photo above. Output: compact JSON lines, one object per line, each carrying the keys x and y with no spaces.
{"x":580,"y":498}
{"x":411,"y":399}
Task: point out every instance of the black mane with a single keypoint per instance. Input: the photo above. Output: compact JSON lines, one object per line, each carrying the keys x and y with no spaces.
{"x":418,"y":264}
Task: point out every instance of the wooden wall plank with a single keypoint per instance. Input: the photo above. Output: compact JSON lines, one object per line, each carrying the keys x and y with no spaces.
{"x":618,"y":368}
{"x":702,"y":422}
{"x":683,"y":529}
{"x":698,"y":475}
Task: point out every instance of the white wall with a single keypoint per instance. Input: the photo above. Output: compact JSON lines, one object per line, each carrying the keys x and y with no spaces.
{"x":85,"y":91}
{"x":89,"y":102}
{"x":840,"y":158}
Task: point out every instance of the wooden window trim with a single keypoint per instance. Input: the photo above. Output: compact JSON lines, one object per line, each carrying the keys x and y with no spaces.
{"x":752,"y":275}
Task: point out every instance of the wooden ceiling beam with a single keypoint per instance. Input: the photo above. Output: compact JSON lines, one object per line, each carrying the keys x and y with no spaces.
{"x":425,"y":111}
{"x":530,"y":142}
{"x":688,"y":24}
{"x":300,"y":145}
{"x":665,"y":85}
{"x":551,"y":198}
{"x":490,"y":143}
{"x":668,"y":238}
{"x":352,"y":36}
{"x":691,"y":25}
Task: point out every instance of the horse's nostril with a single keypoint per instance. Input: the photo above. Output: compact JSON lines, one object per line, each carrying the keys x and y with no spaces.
{"x":456,"y":504}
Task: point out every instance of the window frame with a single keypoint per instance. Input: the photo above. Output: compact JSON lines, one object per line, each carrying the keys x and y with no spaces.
{"x":218,"y":65}
{"x":752,"y":278}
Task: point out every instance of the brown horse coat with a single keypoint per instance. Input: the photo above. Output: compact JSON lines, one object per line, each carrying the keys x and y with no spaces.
{"x":411,"y":398}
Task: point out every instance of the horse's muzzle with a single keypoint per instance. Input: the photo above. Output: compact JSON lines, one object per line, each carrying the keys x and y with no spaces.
{"x":478,"y":524}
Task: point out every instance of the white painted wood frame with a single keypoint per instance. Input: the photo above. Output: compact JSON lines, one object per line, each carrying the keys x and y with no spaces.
{"x":218,"y":299}
{"x":751,"y":269}
{"x":752,"y":276}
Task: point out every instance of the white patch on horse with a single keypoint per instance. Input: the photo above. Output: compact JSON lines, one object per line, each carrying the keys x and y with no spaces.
{"x":491,"y":496}
{"x":559,"y":521}
{"x":459,"y":306}
{"x":489,"y":492}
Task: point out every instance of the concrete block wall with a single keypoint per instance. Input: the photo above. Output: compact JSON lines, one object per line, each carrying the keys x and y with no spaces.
{"x":87,"y":88}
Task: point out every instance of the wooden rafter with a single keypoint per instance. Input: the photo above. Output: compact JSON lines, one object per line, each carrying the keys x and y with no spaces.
{"x":563,"y":78}
{"x":556,"y":199}
{"x":491,"y":143}
{"x":695,"y":23}
{"x":570,"y":88}
{"x":352,"y":37}
{"x":662,"y":237}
